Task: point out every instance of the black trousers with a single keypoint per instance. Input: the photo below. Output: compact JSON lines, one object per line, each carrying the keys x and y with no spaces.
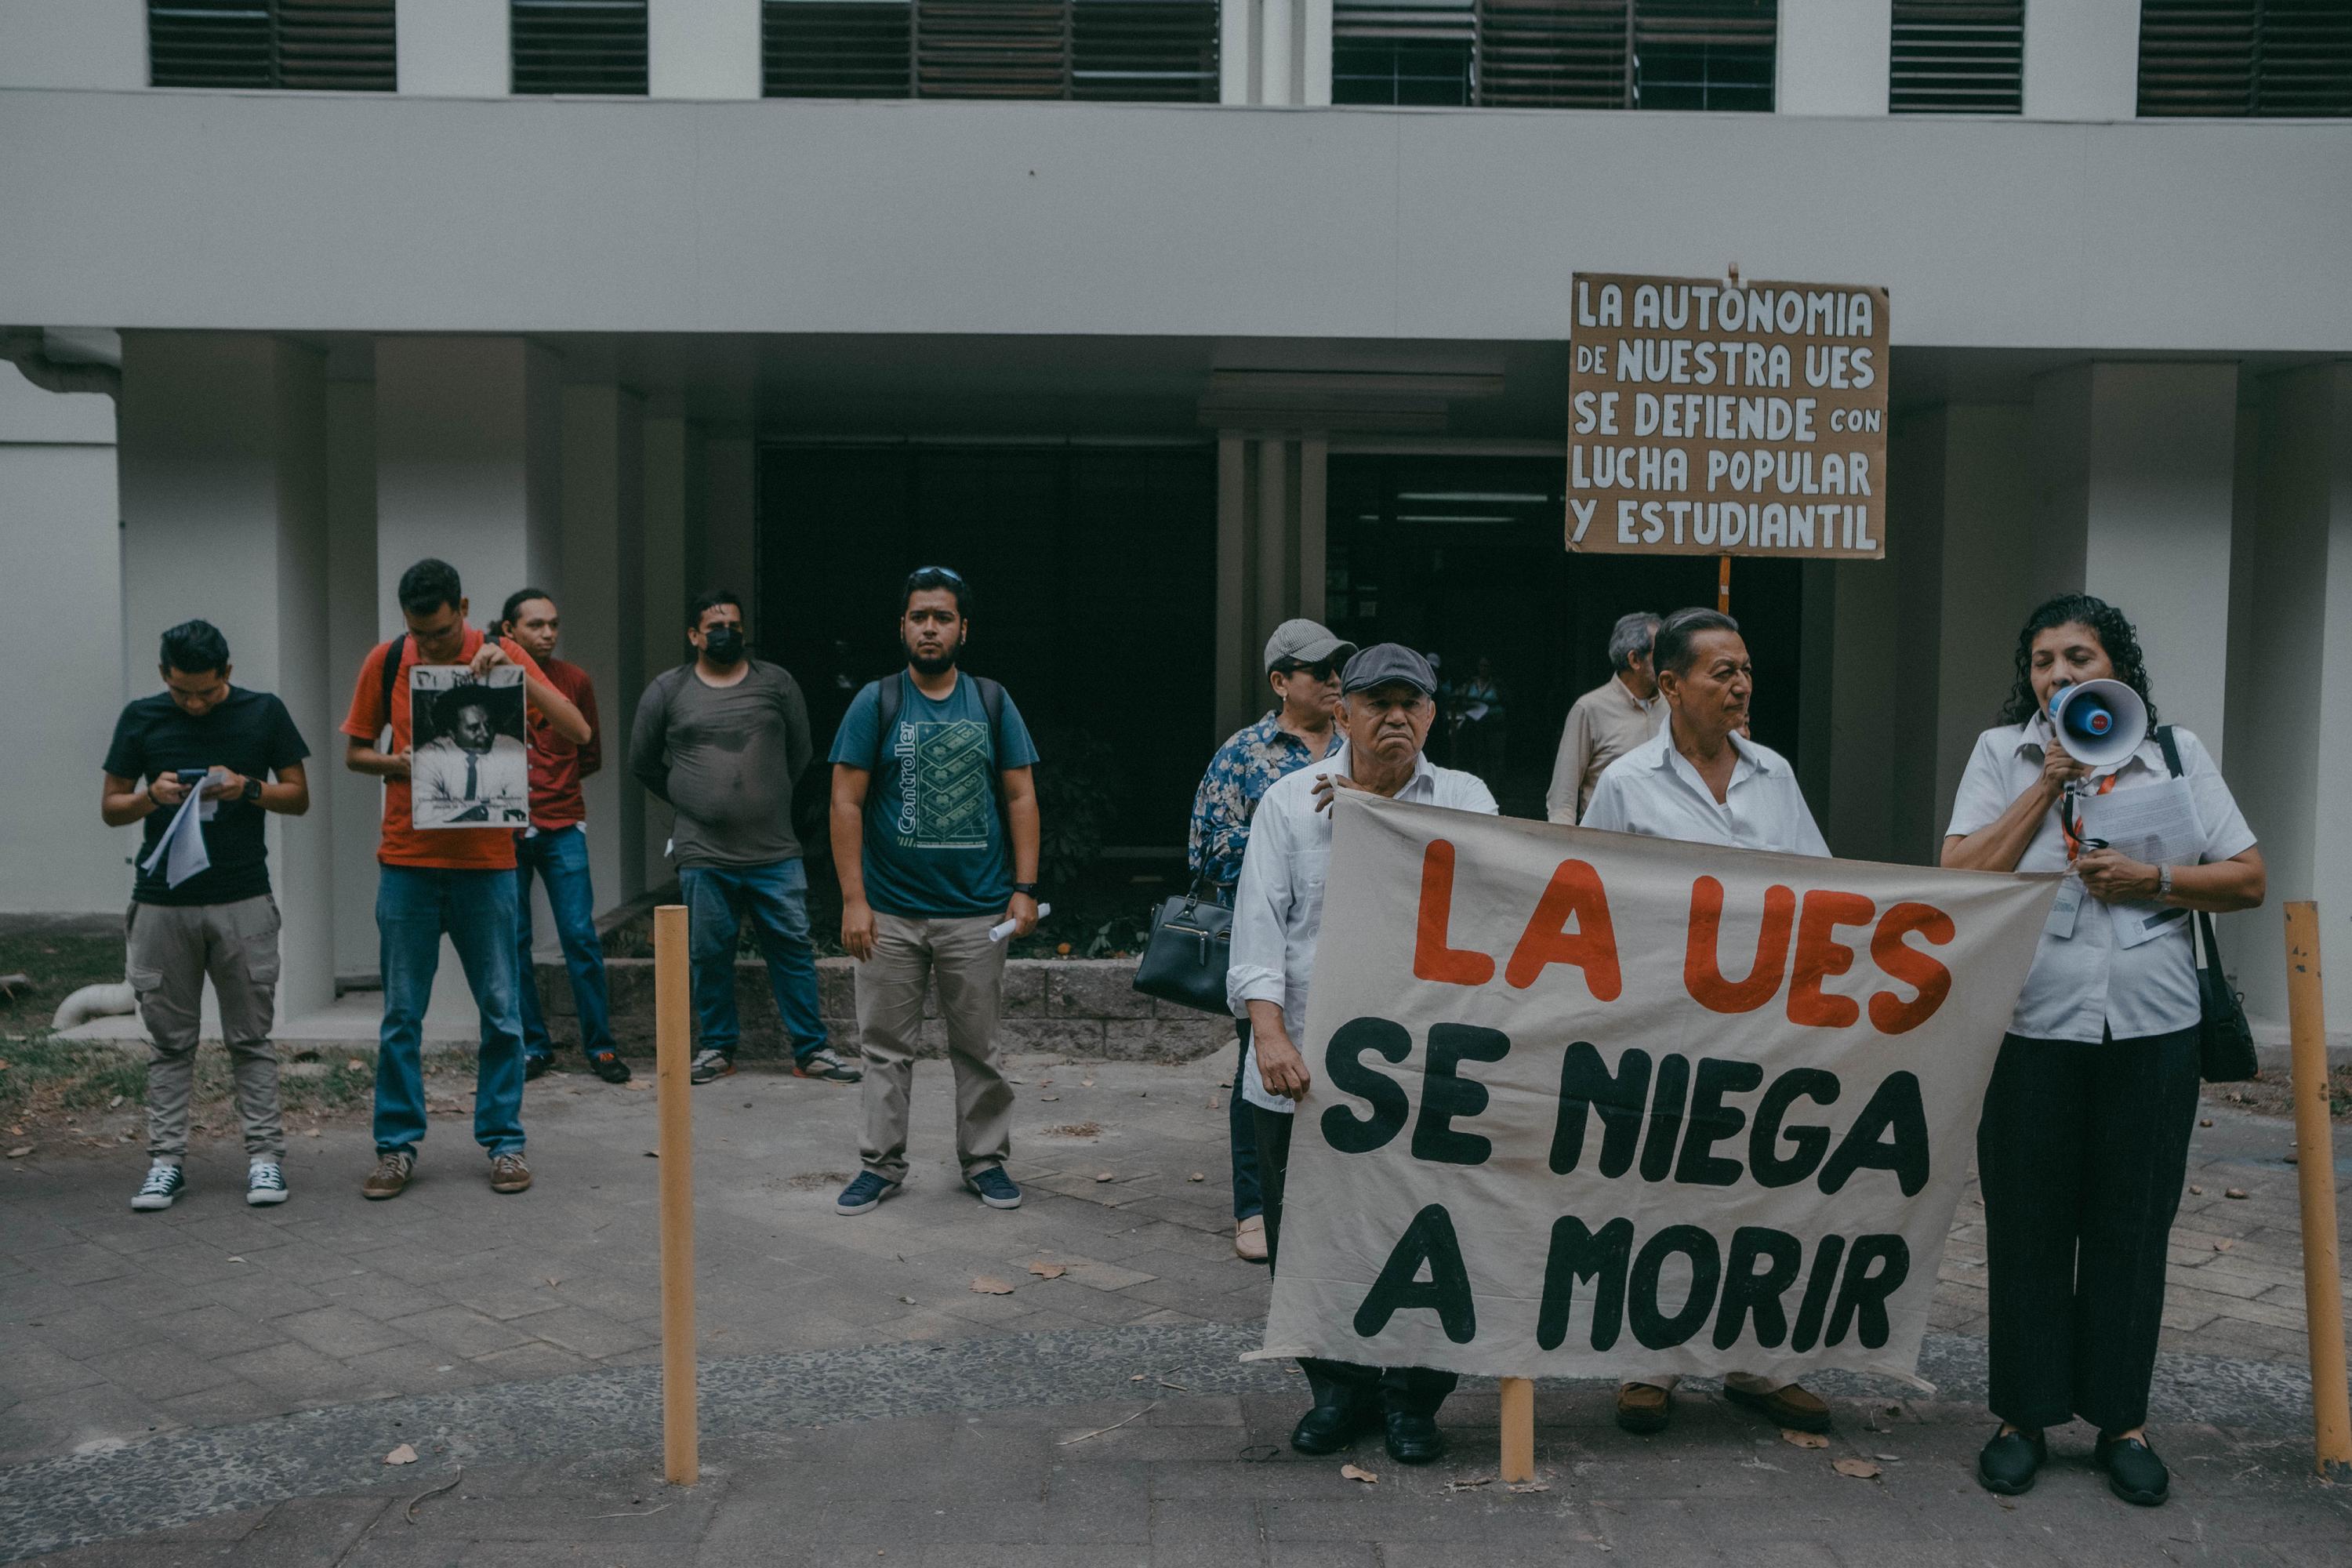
{"x":2080,"y":1153}
{"x":1398,"y":1390}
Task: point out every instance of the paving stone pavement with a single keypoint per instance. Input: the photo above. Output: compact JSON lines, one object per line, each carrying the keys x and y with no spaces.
{"x":212,"y":1319}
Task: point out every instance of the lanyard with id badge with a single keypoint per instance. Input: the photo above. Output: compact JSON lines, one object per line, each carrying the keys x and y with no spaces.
{"x":2155,"y":824}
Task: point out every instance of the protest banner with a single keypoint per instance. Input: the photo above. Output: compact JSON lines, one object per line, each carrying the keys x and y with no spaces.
{"x":1587,"y":1104}
{"x":1707,"y":417}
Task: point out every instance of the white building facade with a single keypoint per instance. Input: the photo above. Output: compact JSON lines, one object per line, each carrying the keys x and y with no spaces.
{"x":1162,"y":321}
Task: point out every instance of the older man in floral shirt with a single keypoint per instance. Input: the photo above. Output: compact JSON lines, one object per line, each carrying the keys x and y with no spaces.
{"x":1302,"y":666}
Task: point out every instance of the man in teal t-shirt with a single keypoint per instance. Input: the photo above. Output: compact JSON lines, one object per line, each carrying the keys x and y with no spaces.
{"x":935,"y":840}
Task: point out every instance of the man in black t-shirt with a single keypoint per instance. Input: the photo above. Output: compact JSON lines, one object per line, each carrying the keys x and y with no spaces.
{"x":202,"y":907}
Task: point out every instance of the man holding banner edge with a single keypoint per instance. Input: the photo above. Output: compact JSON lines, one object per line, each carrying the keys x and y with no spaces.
{"x":1388,"y":702}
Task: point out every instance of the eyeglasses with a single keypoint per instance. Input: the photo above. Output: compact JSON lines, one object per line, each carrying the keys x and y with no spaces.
{"x":1323,"y":672}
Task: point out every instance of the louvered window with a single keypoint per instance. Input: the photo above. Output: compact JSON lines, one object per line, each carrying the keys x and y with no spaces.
{"x":1407,"y":51}
{"x":578,"y":46}
{"x":342,"y":46}
{"x":2245,"y":57}
{"x":1557,"y":54}
{"x":1958,"y":56}
{"x":1162,"y":51}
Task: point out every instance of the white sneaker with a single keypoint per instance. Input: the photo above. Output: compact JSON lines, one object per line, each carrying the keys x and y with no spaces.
{"x":265,"y":1182}
{"x":164,"y":1182}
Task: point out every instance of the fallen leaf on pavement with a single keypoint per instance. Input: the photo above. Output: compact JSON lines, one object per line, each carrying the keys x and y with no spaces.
{"x":1197,"y":1176}
{"x":404,"y":1455}
{"x":907,"y":1301}
{"x":309,"y":1132}
{"x":2235,"y":1192}
{"x":1214,"y":1104}
{"x":1105,"y":1176}
{"x":642,"y":1085}
{"x":985,"y":1286}
{"x":1351,"y":1473}
{"x":2204,"y":1122}
{"x":1803,"y":1439}
{"x":2196,"y":1191}
{"x":2223,"y":1245}
{"x":1085,"y":1083}
{"x":552,"y":1281}
{"x":1047,"y":1271}
{"x":1469,"y":1483}
{"x":19,"y":1151}
{"x":1532,"y":1487}
{"x":356,"y":1065}
{"x":115,"y":1101}
{"x":1860,"y":1469}
{"x":1049,"y":1097}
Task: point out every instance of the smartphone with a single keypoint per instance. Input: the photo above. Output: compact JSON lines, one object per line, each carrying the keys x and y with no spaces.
{"x":194,"y":776}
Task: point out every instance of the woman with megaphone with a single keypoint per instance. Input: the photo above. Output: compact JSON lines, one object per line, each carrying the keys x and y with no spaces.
{"x":2085,"y":1139}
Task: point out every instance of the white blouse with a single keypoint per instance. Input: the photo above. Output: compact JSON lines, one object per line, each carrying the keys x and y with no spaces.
{"x":2127,"y":970}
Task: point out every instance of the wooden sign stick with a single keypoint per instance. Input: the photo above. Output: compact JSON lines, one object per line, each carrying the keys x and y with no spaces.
{"x":1518,"y":1429}
{"x":2314,"y":1160}
{"x":681,"y":1460}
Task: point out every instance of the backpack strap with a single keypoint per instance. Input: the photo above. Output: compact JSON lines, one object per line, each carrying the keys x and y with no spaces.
{"x":2172,"y":750}
{"x":394,"y":651}
{"x":887,"y":698}
{"x":890,"y":692}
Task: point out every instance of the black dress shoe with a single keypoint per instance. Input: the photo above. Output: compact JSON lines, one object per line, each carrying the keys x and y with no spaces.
{"x":534,"y":1067}
{"x":2007,"y":1465}
{"x":1414,"y":1439}
{"x":2134,"y":1472}
{"x":1328,"y":1428}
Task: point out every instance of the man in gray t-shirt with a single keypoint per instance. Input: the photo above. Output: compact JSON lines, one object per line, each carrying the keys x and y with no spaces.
{"x":722,"y":740}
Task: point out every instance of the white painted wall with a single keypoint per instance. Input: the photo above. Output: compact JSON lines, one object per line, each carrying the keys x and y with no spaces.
{"x":603,"y":605}
{"x":703,"y":48}
{"x":2082,"y":59}
{"x":1834,"y":56}
{"x":100,"y":43}
{"x":453,"y":48}
{"x":60,"y":556}
{"x":673,"y":459}
{"x":389,"y":213}
{"x":354,"y":624}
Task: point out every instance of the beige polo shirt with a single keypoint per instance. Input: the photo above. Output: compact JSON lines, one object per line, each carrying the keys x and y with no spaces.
{"x":1606,"y":722}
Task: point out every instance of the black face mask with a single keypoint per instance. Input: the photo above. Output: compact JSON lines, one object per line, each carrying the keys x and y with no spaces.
{"x":722,"y":644}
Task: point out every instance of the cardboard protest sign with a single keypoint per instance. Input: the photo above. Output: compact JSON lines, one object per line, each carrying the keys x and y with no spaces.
{"x":1707,"y":418}
{"x":468,"y":766}
{"x":1587,"y":1104}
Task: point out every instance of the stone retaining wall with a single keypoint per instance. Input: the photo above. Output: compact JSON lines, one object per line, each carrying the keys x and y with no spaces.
{"x":1076,"y":1007}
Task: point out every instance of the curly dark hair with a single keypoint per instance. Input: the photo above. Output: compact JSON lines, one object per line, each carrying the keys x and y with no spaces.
{"x":2115,"y":633}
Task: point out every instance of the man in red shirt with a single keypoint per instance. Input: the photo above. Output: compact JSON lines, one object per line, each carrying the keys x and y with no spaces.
{"x":555,"y":845}
{"x":430,"y":881}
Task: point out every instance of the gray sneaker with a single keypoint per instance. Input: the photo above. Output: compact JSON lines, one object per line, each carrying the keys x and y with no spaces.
{"x":824,"y":1062}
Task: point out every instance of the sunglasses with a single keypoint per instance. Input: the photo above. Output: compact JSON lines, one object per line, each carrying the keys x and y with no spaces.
{"x":951,"y":576}
{"x":1323,"y":672}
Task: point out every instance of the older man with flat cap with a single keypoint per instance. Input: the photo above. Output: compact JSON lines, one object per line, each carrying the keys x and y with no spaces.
{"x":1387,"y":703}
{"x":1302,"y":665}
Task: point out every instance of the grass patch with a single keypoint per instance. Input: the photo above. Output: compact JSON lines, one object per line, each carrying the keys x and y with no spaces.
{"x":59,"y":963}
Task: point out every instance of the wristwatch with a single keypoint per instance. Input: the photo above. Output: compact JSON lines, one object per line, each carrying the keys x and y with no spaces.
{"x":1027,"y":888}
{"x":2163,"y":883}
{"x":251,"y":795}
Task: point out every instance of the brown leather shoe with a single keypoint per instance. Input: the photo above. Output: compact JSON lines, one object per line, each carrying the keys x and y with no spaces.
{"x":1790,"y":1406}
{"x":390,"y":1177}
{"x":1643,"y":1408}
{"x":1249,"y":1239}
{"x":508,"y":1173}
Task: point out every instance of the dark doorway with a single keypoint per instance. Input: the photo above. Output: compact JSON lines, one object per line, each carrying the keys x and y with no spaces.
{"x":1093,"y":581}
{"x":1464,"y":557}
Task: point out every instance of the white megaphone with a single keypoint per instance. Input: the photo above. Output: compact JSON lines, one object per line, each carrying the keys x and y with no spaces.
{"x":2098,"y":722}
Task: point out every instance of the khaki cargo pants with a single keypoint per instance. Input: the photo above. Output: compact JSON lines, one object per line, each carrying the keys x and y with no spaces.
{"x":173,"y":949}
{"x":908,"y":954}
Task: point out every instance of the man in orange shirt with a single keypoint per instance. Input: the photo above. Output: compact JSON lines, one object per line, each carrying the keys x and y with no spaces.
{"x":457,"y":880}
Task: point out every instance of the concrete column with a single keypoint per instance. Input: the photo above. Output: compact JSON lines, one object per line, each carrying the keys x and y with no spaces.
{"x":453,"y":48}
{"x":2082,"y":60}
{"x":1270,"y":554}
{"x":670,"y":447}
{"x":60,"y":554}
{"x":703,"y":48}
{"x":2133,"y":467}
{"x":224,"y":491}
{"x":2290,"y":762}
{"x":1275,"y":52}
{"x":354,"y":624}
{"x":1834,"y":56}
{"x":93,"y":45}
{"x":603,"y":602}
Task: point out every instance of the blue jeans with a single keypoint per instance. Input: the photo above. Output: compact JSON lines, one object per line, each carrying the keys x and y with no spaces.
{"x":414,"y":905}
{"x":560,"y":858}
{"x":777,"y":898}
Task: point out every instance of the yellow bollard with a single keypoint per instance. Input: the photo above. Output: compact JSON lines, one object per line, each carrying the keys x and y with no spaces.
{"x":1518,"y":1429}
{"x":681,"y":1460}
{"x":2315,"y":1158}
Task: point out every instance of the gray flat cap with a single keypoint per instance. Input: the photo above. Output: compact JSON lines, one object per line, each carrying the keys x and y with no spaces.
{"x":1384,"y":663}
{"x":1304,"y":641}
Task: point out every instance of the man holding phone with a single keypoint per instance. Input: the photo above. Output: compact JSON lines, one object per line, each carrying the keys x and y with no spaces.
{"x":201,"y":733}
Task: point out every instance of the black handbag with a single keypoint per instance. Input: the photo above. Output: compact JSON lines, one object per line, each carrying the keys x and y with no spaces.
{"x":1186,"y":956}
{"x":2225,"y":1045}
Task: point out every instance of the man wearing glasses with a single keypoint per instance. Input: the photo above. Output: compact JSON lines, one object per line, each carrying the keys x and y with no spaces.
{"x":1302,"y":666}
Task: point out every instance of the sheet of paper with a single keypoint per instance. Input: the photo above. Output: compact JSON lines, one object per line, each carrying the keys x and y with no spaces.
{"x":2156,"y":823}
{"x":181,"y":850}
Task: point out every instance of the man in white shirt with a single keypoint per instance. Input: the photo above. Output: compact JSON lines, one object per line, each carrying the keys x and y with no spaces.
{"x":1701,"y":779}
{"x":1387,"y":704}
{"x":1607,"y":722}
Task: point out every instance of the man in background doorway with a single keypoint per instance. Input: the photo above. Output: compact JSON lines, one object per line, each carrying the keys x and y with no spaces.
{"x":1303,"y":660}
{"x":554,"y":847}
{"x":723,"y":739}
{"x":1609,"y":720}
